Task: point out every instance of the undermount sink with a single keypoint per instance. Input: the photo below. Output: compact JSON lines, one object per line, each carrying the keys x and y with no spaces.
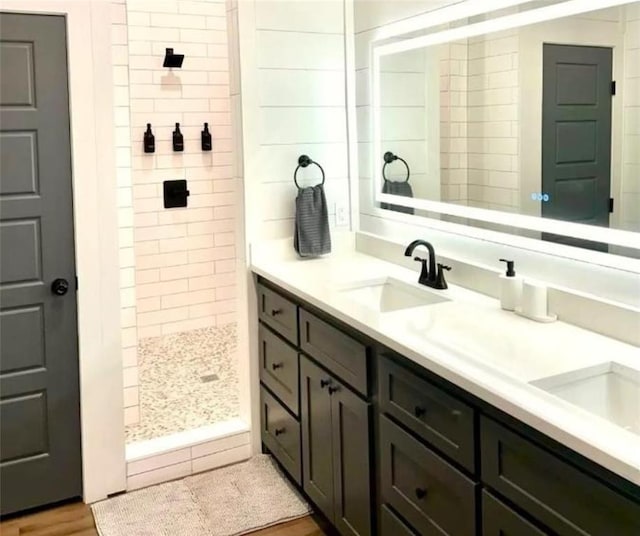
{"x":609,"y":390}
{"x":388,"y":294}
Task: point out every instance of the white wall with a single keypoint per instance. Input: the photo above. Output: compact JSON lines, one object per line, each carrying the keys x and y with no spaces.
{"x":178,"y":266}
{"x":293,"y":103}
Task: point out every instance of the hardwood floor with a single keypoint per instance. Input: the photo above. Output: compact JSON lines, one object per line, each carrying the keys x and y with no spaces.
{"x":76,"y":520}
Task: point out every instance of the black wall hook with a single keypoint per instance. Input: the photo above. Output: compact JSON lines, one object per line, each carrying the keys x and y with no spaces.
{"x":172,"y":60}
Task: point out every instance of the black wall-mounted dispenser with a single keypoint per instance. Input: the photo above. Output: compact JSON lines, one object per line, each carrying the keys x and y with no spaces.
{"x":172,"y":60}
{"x":206,"y":138}
{"x":175,"y":193}
{"x":178,"y":139}
{"x":149,"y":140}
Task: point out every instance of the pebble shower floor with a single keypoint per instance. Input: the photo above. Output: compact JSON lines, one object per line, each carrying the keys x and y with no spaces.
{"x":186,"y":380}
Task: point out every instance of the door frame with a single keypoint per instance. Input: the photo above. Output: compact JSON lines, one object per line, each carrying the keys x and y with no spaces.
{"x":96,"y":238}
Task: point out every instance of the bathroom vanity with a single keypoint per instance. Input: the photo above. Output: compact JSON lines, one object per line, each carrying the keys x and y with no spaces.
{"x":391,"y":434}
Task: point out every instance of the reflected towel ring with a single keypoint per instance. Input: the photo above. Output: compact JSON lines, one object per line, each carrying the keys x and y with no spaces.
{"x":390,"y":157}
{"x":304,"y":161}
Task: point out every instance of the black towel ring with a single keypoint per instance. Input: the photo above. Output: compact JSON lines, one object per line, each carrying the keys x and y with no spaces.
{"x":304,"y":161}
{"x":390,"y":157}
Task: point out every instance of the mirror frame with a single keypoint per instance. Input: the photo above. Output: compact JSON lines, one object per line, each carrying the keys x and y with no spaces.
{"x":382,"y":46}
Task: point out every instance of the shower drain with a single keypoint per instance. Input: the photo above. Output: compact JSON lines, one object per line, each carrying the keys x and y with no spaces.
{"x":209,"y":378}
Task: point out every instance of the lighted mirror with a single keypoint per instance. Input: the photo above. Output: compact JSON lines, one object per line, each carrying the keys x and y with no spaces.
{"x":533,"y":126}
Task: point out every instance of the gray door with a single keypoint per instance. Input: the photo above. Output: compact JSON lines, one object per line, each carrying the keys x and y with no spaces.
{"x":576,"y":137}
{"x":39,"y":393}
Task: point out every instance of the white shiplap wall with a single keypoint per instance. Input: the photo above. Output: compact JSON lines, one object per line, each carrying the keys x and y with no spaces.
{"x":293,"y":103}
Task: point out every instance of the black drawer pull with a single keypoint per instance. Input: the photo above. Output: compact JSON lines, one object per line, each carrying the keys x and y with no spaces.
{"x":421,"y":493}
{"x":276,"y":312}
{"x":419,"y":411}
{"x":324,"y":383}
{"x":333,"y":390}
{"x":276,"y":366}
{"x":279,"y":431}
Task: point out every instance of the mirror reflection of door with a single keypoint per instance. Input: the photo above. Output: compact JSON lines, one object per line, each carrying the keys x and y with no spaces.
{"x":576,"y":137}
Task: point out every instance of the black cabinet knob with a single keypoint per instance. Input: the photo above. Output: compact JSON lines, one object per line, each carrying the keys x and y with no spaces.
{"x":421,"y":493}
{"x":276,"y":312}
{"x":279,"y":431}
{"x":60,"y":287}
{"x":276,"y":366}
{"x":419,"y":411}
{"x":324,"y":383}
{"x":333,"y":390}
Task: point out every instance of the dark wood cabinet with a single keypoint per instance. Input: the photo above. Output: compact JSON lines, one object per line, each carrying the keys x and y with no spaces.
{"x":432,"y":495}
{"x":437,"y":417}
{"x":446,"y":462}
{"x":279,"y":367}
{"x":281,"y":434}
{"x":279,"y":313}
{"x":559,"y":495}
{"x":317,"y":455}
{"x":345,"y":356}
{"x":500,"y":520}
{"x":335,"y":450}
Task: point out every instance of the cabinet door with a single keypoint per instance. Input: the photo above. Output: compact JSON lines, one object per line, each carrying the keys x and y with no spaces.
{"x":317,"y":462}
{"x":499,"y":520}
{"x":350,"y":417}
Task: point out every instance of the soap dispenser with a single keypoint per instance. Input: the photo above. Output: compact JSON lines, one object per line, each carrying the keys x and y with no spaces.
{"x":510,"y":287}
{"x":206,"y":138}
{"x":149,"y":140}
{"x":178,"y":139}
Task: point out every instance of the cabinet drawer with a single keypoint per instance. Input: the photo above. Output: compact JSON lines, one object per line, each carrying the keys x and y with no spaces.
{"x":279,"y":368}
{"x":437,"y":417}
{"x":392,"y":525}
{"x":556,"y":493}
{"x":500,"y":520}
{"x":341,"y":354}
{"x":429,"y":493}
{"x":278,"y":313}
{"x":280,"y":434}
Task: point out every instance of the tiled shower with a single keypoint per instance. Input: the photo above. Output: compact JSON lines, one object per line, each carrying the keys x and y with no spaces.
{"x":178,"y":265}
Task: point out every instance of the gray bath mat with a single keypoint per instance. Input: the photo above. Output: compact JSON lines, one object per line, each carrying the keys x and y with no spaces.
{"x":230,"y":501}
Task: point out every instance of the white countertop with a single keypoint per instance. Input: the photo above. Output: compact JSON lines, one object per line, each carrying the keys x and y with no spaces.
{"x":474,"y":344}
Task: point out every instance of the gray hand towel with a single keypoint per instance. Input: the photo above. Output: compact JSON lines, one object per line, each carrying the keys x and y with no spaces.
{"x":311,"y":237}
{"x":397,"y":188}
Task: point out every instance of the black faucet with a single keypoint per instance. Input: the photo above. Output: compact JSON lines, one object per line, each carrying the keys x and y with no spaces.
{"x":429,"y":276}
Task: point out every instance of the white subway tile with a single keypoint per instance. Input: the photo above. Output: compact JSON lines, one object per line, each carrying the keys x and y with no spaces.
{"x":162,"y":316}
{"x":131,"y":397}
{"x":130,"y":376}
{"x":161,"y":289}
{"x":221,"y":459}
{"x":145,"y":305}
{"x":147,"y":276}
{"x":130,"y":357}
{"x":131,"y":415}
{"x":147,"y":332}
{"x":164,"y":474}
